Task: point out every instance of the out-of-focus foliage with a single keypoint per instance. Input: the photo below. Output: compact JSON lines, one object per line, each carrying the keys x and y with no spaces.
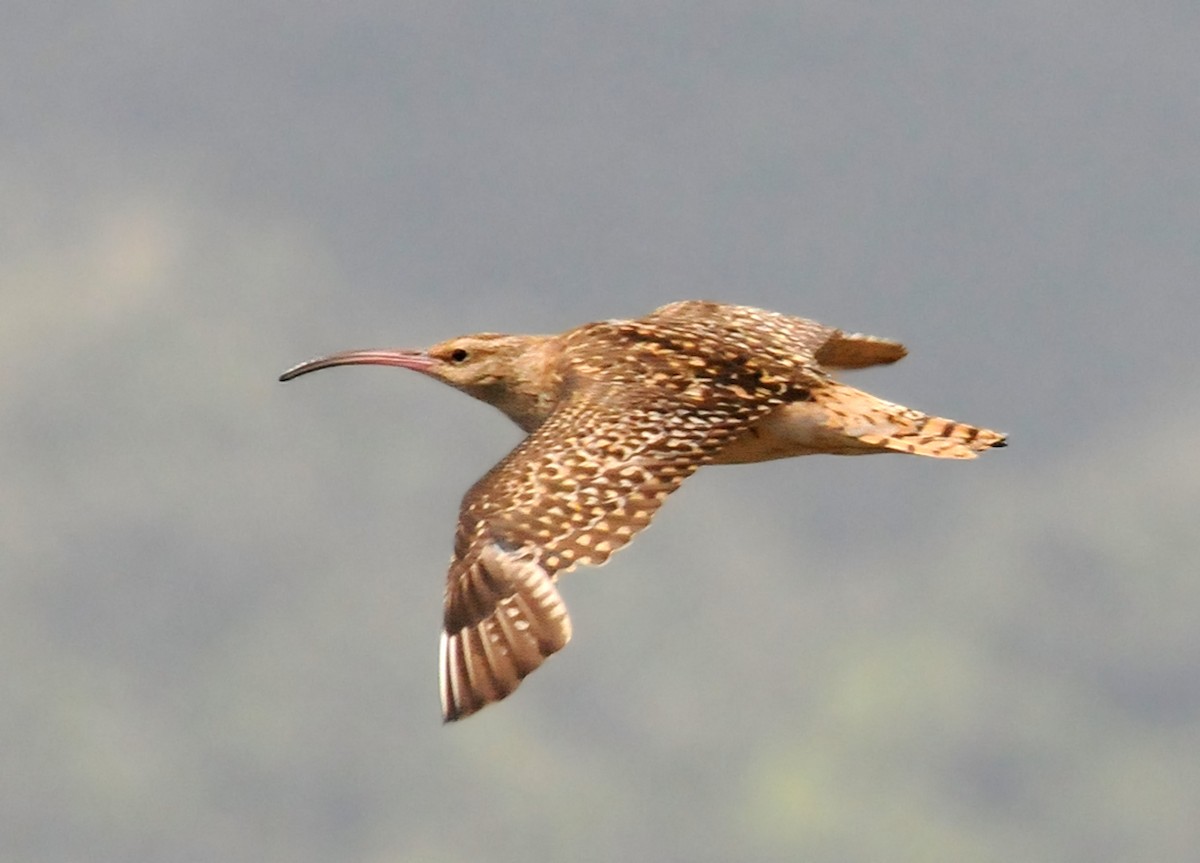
{"x":219,"y":596}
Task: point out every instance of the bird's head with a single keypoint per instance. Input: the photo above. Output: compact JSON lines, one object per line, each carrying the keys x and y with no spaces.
{"x":506,"y":371}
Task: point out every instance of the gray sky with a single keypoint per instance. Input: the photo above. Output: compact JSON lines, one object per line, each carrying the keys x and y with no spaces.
{"x":204,"y":574}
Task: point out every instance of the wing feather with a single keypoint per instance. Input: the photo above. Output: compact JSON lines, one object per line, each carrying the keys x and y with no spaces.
{"x":646,"y":403}
{"x":563,"y":498}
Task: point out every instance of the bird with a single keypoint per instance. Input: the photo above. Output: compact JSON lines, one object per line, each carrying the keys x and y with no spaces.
{"x":617,"y":414}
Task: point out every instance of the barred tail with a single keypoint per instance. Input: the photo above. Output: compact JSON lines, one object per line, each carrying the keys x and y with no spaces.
{"x":878,"y":424}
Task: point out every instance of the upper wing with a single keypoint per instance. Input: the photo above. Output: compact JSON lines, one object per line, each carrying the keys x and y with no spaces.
{"x":799,"y":336}
{"x":828,"y":347}
{"x":576,"y":490}
{"x":857,"y":351}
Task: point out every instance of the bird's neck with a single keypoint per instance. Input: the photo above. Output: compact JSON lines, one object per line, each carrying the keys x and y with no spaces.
{"x":531,"y":387}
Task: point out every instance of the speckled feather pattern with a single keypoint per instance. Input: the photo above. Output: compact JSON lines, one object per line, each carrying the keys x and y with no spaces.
{"x":646,"y":404}
{"x":618,"y":415}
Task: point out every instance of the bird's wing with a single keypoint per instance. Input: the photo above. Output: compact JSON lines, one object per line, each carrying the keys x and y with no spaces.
{"x":800,"y":337}
{"x":573,"y":492}
{"x":857,"y":351}
{"x":828,"y":347}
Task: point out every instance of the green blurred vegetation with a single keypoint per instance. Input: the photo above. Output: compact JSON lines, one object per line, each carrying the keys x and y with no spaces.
{"x":220,"y":596}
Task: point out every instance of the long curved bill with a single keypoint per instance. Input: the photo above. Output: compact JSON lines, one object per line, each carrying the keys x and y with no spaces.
{"x":418,"y":361}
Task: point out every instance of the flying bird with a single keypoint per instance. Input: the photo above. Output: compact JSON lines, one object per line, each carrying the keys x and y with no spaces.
{"x":617,"y":415}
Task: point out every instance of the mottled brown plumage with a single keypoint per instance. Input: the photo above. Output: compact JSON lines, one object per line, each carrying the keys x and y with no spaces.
{"x":619,"y":413}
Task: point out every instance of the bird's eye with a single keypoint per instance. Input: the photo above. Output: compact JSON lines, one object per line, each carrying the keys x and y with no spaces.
{"x":458,"y":355}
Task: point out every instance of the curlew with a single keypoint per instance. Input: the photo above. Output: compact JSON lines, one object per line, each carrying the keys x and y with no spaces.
{"x":617,"y":415}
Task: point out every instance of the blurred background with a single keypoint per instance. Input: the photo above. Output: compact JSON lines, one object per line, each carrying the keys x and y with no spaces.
{"x":220,"y":596}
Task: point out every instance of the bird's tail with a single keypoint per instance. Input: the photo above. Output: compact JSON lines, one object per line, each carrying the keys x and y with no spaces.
{"x":878,"y":425}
